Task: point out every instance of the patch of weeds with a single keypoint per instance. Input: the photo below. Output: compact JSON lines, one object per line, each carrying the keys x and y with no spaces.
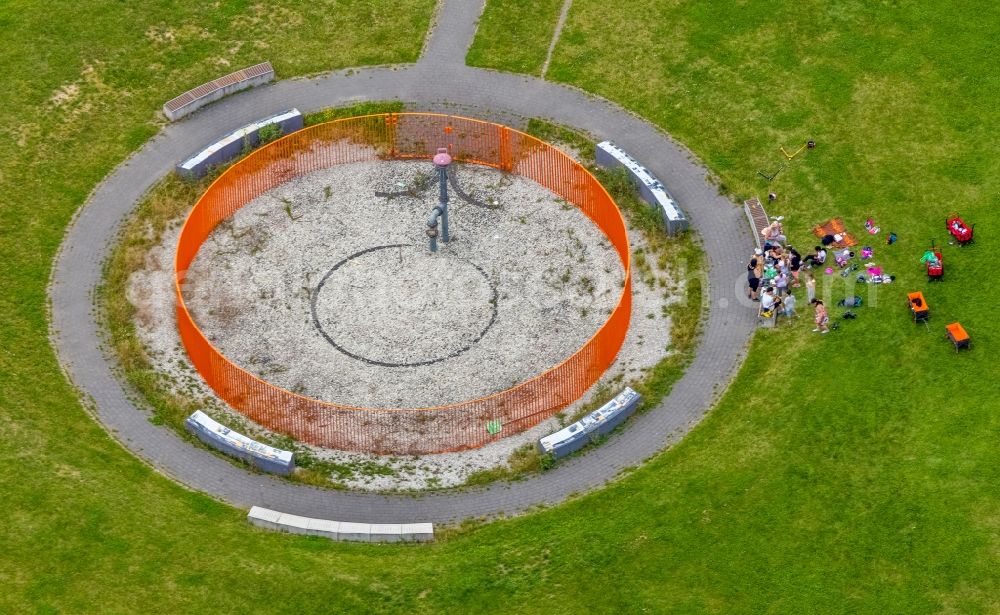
{"x":421,"y":181}
{"x":366,"y":108}
{"x":597,"y":439}
{"x":525,"y":460}
{"x":559,"y":135}
{"x":271,"y":132}
{"x":287,"y":206}
{"x":642,"y":269}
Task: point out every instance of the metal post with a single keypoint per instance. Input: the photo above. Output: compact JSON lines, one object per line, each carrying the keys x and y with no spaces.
{"x":443,"y":202}
{"x":442,"y":159}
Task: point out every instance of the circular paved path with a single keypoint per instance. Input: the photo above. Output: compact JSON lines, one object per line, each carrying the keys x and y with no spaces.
{"x":438,"y":77}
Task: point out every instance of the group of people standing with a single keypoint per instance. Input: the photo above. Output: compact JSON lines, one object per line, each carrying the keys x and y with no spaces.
{"x":775,"y":269}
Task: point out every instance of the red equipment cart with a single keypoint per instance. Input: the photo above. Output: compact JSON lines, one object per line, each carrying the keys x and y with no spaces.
{"x":961,"y":231}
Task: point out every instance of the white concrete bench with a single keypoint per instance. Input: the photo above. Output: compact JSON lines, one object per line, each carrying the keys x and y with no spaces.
{"x":236,"y":143}
{"x":609,"y":155}
{"x":767,"y":322}
{"x":218,"y":436}
{"x":198,"y":97}
{"x":340,"y":530}
{"x":599,"y":422}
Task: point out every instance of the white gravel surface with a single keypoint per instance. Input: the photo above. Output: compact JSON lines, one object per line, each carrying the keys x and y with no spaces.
{"x":252,"y":285}
{"x":547,"y":271}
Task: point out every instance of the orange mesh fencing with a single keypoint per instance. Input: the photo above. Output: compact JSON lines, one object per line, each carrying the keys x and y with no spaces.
{"x":403,"y":431}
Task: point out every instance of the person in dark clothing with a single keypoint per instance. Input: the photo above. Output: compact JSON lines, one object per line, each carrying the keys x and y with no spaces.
{"x":795,"y":264}
{"x":817,"y":259}
{"x":753,"y":278}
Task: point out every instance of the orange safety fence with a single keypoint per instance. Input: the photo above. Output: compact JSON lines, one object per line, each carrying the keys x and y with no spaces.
{"x":403,"y":431}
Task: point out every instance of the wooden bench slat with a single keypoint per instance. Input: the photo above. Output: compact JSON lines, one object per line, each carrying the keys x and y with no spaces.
{"x":757,"y":216}
{"x":258,"y":69}
{"x":194,"y":98}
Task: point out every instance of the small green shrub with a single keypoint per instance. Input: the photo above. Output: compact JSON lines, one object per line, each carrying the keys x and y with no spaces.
{"x":268,"y":133}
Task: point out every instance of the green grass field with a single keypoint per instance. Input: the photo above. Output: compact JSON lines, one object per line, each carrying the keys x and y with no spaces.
{"x":520,"y":49}
{"x":853,"y":472}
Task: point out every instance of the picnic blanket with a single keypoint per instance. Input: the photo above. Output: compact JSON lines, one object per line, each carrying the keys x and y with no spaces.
{"x":835,"y":227}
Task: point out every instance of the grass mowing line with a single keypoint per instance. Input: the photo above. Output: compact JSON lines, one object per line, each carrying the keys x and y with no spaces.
{"x":563,"y":13}
{"x":521,"y":49}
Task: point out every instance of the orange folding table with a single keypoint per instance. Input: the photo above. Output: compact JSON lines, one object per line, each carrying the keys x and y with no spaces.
{"x":918,"y":306}
{"x":958,"y":336}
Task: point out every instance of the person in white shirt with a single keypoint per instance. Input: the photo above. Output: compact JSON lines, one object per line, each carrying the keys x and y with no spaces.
{"x":768,"y":300}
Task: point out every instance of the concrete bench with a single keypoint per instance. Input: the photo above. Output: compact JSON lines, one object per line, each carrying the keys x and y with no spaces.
{"x":261,"y":456}
{"x":767,"y":322}
{"x":235,"y":143}
{"x":198,"y":97}
{"x":610,"y":156}
{"x":340,"y":530}
{"x":599,"y":422}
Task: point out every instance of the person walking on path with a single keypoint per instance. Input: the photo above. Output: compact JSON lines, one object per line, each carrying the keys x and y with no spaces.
{"x":822,"y":318}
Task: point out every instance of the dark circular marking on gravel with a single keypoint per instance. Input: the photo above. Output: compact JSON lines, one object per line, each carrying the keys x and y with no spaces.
{"x":462,"y":194}
{"x":319,"y":327}
{"x":400,"y":193}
